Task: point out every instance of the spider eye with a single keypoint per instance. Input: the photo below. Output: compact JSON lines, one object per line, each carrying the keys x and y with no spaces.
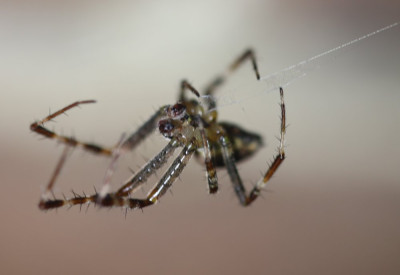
{"x":177,"y":110}
{"x":166,"y":127}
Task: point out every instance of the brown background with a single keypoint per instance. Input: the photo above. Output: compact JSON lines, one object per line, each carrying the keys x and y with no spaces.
{"x":332,"y":208}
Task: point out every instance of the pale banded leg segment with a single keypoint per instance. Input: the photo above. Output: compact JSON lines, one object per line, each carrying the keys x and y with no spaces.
{"x":211,"y":173}
{"x":171,"y":174}
{"x":149,"y":169}
{"x":160,"y":189}
{"x":113,"y":199}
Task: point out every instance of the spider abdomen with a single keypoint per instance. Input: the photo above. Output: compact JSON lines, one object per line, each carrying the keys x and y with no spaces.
{"x":244,"y":144}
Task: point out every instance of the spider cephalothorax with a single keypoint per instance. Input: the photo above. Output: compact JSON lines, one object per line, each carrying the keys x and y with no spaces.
{"x":187,"y":124}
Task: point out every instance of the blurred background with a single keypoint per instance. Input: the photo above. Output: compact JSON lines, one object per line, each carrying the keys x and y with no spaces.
{"x":333,"y":206}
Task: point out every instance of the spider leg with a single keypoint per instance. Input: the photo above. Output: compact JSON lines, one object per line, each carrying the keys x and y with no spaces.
{"x":47,"y":204}
{"x":167,"y":179}
{"x":133,"y":140}
{"x":115,"y":199}
{"x":160,"y":189}
{"x":185,"y":85}
{"x":220,"y":79}
{"x":210,"y":169}
{"x":40,"y":129}
{"x":279,"y":158}
{"x":48,"y":192}
{"x":116,"y":151}
{"x":150,"y":168}
{"x":103,"y":198}
{"x":128,"y":144}
{"x":146,"y":129}
{"x":229,"y":160}
{"x":111,"y":168}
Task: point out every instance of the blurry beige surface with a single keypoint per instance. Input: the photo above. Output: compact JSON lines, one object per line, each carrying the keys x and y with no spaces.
{"x":333,"y":206}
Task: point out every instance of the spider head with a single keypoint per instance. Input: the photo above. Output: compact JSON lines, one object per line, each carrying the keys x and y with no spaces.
{"x":173,"y":122}
{"x":167,"y":127}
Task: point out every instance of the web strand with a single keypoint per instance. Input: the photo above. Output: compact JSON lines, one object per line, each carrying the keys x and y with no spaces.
{"x":286,"y":76}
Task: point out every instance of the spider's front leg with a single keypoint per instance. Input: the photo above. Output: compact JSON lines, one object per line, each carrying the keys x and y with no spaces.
{"x":167,"y":179}
{"x":128,"y":144}
{"x":145,"y":130}
{"x":120,"y":198}
{"x":38,"y":127}
{"x":227,"y":152}
{"x":133,"y":140}
{"x":149,"y":169}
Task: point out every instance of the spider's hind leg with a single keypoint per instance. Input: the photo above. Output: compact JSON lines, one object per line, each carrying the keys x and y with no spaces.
{"x":279,"y":158}
{"x":167,"y":179}
{"x":121,"y":199}
{"x":227,"y":152}
{"x":220,"y":79}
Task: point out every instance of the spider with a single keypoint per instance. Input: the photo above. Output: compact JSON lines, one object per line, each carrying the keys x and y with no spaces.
{"x":187,"y":124}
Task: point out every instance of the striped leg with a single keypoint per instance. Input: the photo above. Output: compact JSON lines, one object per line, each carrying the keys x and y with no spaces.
{"x":116,"y":151}
{"x":279,"y":158}
{"x":114,"y":199}
{"x":229,"y":160}
{"x":40,"y":129}
{"x":167,"y":179}
{"x":149,"y":169}
{"x":104,"y":197}
{"x":145,"y":130}
{"x":127,"y":145}
{"x":210,"y":169}
{"x":132,"y":141}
